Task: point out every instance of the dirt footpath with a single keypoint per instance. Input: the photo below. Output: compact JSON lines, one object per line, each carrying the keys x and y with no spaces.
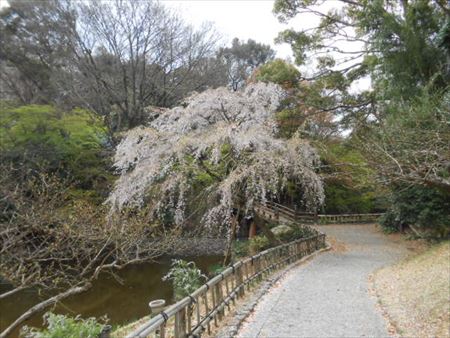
{"x":329,"y":296}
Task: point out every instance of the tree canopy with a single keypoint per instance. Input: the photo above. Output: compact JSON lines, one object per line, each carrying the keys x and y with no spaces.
{"x":217,"y":153}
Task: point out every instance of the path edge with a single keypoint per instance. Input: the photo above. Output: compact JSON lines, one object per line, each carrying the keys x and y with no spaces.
{"x":245,"y":309}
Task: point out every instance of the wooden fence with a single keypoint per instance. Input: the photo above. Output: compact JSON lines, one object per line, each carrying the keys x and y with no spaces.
{"x":206,"y":306}
{"x":274,"y":211}
{"x":348,"y":218}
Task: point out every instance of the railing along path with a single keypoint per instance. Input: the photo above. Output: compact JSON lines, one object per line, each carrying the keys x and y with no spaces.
{"x":206,"y":306}
{"x":274,"y":211}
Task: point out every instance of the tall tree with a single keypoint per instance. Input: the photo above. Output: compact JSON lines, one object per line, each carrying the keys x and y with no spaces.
{"x":33,"y":47}
{"x":198,"y":164}
{"x":395,"y":43}
{"x":242,"y":58}
{"x":401,"y":122}
{"x":114,"y":58}
{"x":135,"y":53}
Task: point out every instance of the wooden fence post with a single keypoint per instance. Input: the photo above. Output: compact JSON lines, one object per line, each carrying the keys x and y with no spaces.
{"x":219,"y":299}
{"x":239,"y":281}
{"x":180,"y":323}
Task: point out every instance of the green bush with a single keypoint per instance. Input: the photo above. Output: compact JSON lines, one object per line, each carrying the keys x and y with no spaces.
{"x":245,"y":248}
{"x":59,"y":326}
{"x":350,"y":185}
{"x":70,"y":134}
{"x":41,"y":139}
{"x":215,"y":269}
{"x":258,"y":244}
{"x":424,"y":207}
{"x":297,"y":233}
{"x":240,"y":248}
{"x":185,"y":277}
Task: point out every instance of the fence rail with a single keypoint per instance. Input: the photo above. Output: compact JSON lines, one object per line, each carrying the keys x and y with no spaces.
{"x":207,"y":305}
{"x":274,"y":211}
{"x":349,"y":218}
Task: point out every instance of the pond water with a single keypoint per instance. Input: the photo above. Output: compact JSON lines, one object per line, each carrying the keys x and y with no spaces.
{"x":121,"y":303}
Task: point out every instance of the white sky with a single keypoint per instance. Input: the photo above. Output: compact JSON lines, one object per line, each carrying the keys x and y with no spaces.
{"x":253,"y":19}
{"x":244,"y":19}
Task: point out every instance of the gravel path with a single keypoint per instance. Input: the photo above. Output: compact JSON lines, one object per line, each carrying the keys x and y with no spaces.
{"x":328,"y":296}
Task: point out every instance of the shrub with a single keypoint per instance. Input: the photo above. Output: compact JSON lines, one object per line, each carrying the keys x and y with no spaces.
{"x":39,"y":138}
{"x":215,"y":269}
{"x":185,"y":277}
{"x":258,"y":243}
{"x":424,"y":207}
{"x":240,"y":248}
{"x":297,"y":233}
{"x":62,"y":326}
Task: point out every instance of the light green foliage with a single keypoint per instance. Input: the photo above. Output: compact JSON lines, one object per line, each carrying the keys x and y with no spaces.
{"x":279,"y":71}
{"x":185,"y":277}
{"x":297,"y":232}
{"x":215,"y":269}
{"x":258,"y":243}
{"x":240,"y":248}
{"x":69,"y":134}
{"x":350,"y":185}
{"x":40,"y":138}
{"x":59,"y":326}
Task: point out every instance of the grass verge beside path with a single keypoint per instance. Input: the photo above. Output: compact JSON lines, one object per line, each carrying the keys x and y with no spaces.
{"x":415,"y":293}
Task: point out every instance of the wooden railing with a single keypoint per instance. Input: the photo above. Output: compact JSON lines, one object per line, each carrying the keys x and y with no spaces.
{"x":274,"y":211}
{"x":207,"y":305}
{"x":349,"y":218}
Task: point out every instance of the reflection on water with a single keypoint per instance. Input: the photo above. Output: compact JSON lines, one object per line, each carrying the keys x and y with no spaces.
{"x":121,"y":303}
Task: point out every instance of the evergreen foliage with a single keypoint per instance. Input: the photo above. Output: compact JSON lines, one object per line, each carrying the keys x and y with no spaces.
{"x":280,"y":72}
{"x":420,"y":206}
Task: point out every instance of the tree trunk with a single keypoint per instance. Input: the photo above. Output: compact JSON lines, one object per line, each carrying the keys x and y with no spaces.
{"x":229,"y":248}
{"x":252,"y":230}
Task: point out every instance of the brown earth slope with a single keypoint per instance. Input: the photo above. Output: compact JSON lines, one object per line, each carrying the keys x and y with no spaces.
{"x":415,"y":293}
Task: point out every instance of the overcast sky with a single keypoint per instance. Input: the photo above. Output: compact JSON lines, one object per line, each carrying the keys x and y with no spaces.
{"x":244,"y":19}
{"x":252,"y":19}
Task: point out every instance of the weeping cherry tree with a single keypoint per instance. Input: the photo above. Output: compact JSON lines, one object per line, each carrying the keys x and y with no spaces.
{"x":211,"y":159}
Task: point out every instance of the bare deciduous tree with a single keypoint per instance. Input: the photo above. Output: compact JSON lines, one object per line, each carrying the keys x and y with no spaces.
{"x":242,"y":58}
{"x":61,"y":251}
{"x":131,"y":54}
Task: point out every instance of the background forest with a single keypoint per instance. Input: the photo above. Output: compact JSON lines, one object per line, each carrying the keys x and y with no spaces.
{"x":81,"y":79}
